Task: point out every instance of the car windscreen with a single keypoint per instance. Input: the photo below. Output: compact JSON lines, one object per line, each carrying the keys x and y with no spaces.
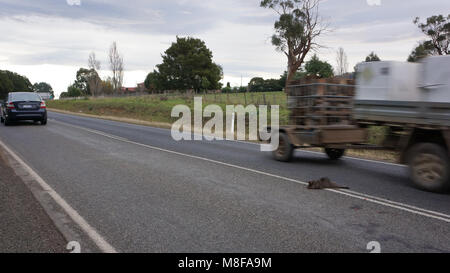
{"x":24,"y":97}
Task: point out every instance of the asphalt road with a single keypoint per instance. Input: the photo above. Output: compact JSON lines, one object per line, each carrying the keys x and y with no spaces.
{"x":144,"y":192}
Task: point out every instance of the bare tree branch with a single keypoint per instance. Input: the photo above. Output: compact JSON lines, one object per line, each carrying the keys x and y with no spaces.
{"x":94,"y":81}
{"x":342,"y":63}
{"x":116,"y":66}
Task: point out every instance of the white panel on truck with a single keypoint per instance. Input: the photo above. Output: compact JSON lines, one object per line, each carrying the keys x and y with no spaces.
{"x":392,"y":81}
{"x":435,"y":81}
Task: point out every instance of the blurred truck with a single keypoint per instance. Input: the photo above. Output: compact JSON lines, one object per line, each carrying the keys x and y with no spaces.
{"x":411,"y":100}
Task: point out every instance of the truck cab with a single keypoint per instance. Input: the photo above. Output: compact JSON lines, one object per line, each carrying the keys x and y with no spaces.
{"x":413,"y":101}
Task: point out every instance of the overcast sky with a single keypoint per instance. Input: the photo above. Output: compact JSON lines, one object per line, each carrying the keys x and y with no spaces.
{"x":48,"y":40}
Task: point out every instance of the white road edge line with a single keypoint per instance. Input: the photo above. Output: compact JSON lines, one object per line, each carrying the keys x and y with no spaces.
{"x":101,"y":243}
{"x":368,"y":198}
{"x":245,"y":142}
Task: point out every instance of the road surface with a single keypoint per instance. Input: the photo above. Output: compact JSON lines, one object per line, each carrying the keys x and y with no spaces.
{"x":144,"y":192}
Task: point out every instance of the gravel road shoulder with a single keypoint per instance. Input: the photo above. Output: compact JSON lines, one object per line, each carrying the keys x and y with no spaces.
{"x":25,"y":226}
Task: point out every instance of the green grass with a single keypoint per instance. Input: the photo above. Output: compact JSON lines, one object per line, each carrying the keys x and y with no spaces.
{"x":157,"y":108}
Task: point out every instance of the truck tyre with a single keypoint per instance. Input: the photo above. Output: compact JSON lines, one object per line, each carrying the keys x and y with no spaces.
{"x":429,"y":167}
{"x":285,"y":149}
{"x":334,"y":154}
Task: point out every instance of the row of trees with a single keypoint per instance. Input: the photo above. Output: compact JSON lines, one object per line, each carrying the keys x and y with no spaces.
{"x":13,"y":82}
{"x":88,"y":81}
{"x":314,"y":68}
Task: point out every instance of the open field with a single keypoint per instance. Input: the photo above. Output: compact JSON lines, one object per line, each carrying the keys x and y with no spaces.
{"x":157,"y":108}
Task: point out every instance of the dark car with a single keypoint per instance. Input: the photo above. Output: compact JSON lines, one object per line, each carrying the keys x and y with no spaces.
{"x":23,"y":106}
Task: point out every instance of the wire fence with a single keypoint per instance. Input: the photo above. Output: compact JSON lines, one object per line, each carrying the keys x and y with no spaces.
{"x":216,"y":97}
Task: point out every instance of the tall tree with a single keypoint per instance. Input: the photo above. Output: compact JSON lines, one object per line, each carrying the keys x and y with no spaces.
{"x":153,"y":82}
{"x":187,"y":64}
{"x":13,"y":82}
{"x":300,"y":74}
{"x":296,"y":31}
{"x":372,"y":58}
{"x":342,"y":63}
{"x":420,"y":52}
{"x":94,"y":82}
{"x":116,"y":66}
{"x":317,"y":68}
{"x":43,"y":87}
{"x":256,"y":84}
{"x":72,"y":92}
{"x":83,"y":78}
{"x":437,"y":28}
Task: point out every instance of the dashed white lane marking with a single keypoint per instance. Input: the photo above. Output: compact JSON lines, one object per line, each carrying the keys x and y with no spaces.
{"x":101,"y":243}
{"x":365,"y":197}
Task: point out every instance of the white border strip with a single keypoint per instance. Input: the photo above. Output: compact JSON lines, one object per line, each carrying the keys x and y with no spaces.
{"x":101,"y":243}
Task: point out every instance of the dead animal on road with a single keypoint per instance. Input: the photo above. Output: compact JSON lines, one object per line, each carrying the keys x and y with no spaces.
{"x":324,"y":183}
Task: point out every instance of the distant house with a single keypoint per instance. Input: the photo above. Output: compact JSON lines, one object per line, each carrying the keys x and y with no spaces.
{"x":129,"y":89}
{"x":140,"y":88}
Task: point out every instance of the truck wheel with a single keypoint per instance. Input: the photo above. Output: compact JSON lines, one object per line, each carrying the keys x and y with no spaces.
{"x":285,"y":149}
{"x":334,"y":154}
{"x":429,"y":167}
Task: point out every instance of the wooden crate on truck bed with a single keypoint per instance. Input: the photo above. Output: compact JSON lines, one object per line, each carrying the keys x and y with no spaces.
{"x":321,"y":102}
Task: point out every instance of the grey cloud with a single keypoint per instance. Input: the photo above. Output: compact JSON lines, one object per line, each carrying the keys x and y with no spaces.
{"x":193,"y":17}
{"x":57,"y":57}
{"x":196,"y":16}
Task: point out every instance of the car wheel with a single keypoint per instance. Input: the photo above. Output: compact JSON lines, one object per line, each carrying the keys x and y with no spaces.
{"x":285,"y":149}
{"x":334,"y":154}
{"x":429,"y":167}
{"x":6,"y":121}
